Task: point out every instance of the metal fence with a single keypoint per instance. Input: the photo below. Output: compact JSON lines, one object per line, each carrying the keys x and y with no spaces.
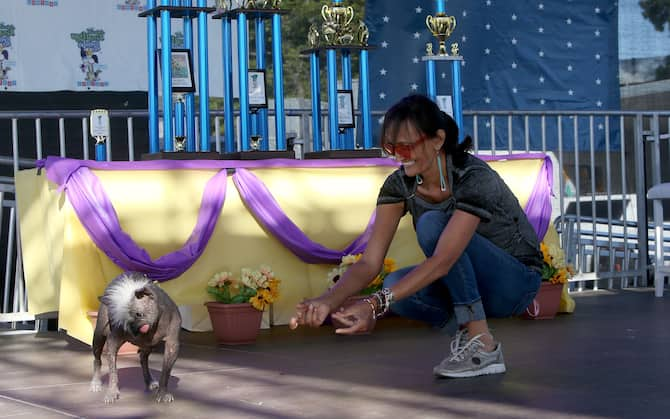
{"x":604,"y":162}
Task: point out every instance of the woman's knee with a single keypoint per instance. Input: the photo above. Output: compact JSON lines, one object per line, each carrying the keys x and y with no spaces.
{"x":429,"y":227}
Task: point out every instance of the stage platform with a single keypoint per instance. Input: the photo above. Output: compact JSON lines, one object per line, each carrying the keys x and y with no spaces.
{"x":609,"y":359}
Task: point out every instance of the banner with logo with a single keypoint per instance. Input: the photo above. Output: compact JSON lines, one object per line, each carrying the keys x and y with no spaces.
{"x":86,"y":45}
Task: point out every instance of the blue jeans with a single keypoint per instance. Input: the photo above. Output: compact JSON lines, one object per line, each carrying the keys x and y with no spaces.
{"x":484,"y":282}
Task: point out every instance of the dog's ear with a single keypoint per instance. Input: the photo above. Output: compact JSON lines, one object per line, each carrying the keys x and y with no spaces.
{"x":144,"y":292}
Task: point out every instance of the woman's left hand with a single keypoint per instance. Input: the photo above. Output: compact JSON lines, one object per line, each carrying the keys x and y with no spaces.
{"x":357,"y":318}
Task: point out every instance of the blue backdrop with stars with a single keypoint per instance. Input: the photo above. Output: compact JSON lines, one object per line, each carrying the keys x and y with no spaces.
{"x":518,"y":55}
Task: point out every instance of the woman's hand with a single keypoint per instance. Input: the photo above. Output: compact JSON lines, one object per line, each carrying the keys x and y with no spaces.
{"x":310,"y":313}
{"x":357,"y":318}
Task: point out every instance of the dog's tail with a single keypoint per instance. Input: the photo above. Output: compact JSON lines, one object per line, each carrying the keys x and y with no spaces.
{"x":120,"y":293}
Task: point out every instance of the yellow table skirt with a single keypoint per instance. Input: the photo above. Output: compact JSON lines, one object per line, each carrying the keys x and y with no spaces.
{"x":66,"y":272}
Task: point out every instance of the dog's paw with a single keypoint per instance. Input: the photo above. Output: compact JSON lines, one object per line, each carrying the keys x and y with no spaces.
{"x":96,"y":386}
{"x":153,"y":385}
{"x":111,"y":396}
{"x":164,"y":397}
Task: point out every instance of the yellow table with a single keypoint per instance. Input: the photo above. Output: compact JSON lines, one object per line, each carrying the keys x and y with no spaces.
{"x":66,"y":272}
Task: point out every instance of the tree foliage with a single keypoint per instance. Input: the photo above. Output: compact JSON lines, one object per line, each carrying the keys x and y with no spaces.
{"x":657,"y":12}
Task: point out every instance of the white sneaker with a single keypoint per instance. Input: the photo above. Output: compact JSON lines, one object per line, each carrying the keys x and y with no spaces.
{"x":469,"y":360}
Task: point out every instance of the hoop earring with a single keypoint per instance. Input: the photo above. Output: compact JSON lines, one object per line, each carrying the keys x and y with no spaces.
{"x":443,"y":184}
{"x":419,"y":180}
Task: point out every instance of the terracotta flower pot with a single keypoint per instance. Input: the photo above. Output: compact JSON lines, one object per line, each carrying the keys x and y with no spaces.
{"x":234,"y":324}
{"x":546,"y":302}
{"x":126,"y":349}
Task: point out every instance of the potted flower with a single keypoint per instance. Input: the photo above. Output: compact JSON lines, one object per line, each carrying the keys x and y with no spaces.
{"x":374,"y":285}
{"x":555,"y":274}
{"x":239,"y":303}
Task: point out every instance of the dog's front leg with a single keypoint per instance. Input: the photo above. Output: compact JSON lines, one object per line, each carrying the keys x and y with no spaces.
{"x":98,"y":345}
{"x":169,"y":358}
{"x":113,"y":345}
{"x":149,"y":381}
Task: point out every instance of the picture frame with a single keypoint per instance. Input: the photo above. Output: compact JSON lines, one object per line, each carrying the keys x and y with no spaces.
{"x":345,"y":109}
{"x":256,"y":87}
{"x":181,"y":70}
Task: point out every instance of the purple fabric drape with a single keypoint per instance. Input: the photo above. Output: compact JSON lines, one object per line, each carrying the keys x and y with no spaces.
{"x":90,"y":202}
{"x":99,"y":218}
{"x":267,"y":212}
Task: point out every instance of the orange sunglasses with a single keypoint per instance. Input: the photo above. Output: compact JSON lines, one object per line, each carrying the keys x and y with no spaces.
{"x":403,"y":151}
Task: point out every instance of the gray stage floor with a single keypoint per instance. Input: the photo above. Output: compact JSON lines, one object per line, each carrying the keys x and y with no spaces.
{"x":610,"y":359}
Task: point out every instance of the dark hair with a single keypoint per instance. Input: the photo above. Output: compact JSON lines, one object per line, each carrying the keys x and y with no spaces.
{"x":424,"y":114}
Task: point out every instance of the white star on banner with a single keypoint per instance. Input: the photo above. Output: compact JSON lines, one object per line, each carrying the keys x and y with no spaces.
{"x":386,"y":19}
{"x":597,"y":10}
{"x":488,"y":2}
{"x":568,"y":44}
{"x":571,"y":92}
{"x":597,"y":56}
{"x":514,"y":17}
{"x":487,"y":77}
{"x":542,"y":102}
{"x":596,"y":33}
{"x":465,"y":13}
{"x":414,"y":86}
{"x":417,"y":35}
{"x":418,"y":9}
{"x":541,"y":79}
{"x":514,"y":64}
{"x":443,"y":75}
{"x":570,"y":67}
{"x":568,"y":21}
{"x":540,"y":29}
{"x":385,"y":44}
{"x":380,"y":120}
{"x":598,"y":81}
{"x":514,"y":90}
{"x":415,"y":60}
{"x":464,"y":38}
{"x":487,"y":51}
{"x":382,"y":95}
{"x":488,"y":26}
{"x":487,"y":99}
{"x":540,"y":6}
{"x":514,"y":41}
{"x":599,"y":104}
{"x":540,"y":53}
{"x":383,"y":71}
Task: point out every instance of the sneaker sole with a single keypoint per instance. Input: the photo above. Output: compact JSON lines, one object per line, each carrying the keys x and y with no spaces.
{"x":490,"y":369}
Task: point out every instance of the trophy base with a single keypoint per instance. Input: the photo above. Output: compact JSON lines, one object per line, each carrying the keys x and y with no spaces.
{"x":345,"y":154}
{"x":181,"y":155}
{"x":258,"y":155}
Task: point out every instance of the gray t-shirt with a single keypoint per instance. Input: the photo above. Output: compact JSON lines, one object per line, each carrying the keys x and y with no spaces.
{"x":476,"y":188}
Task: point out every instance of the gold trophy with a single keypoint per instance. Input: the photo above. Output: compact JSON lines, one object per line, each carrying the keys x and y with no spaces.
{"x":441,"y":26}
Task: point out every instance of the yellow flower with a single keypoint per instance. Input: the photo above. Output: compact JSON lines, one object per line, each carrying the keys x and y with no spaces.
{"x":258,"y":287}
{"x":389,"y":265}
{"x":258,"y":302}
{"x":545,"y":253}
{"x":273,"y":287}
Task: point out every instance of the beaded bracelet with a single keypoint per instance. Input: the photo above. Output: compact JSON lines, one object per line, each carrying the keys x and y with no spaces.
{"x":372,"y":306}
{"x":385,"y":298}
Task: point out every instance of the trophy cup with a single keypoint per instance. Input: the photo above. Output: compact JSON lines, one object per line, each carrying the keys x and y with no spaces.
{"x":441,"y":26}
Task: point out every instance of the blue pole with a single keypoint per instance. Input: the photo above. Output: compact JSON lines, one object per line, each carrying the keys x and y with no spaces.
{"x":365,"y":96}
{"x":431,"y":84}
{"x":101,"y":151}
{"x":228,"y":110}
{"x":179,"y":118}
{"x":456,"y":92}
{"x":440,"y":6}
{"x":152,"y":88}
{"x":347,"y":138}
{"x":316,"y":100}
{"x":189,"y":98}
{"x":166,"y":67}
{"x":203,"y":77}
{"x":261,"y":116}
{"x":243,"y":66}
{"x":277,"y":65}
{"x":331,"y":62}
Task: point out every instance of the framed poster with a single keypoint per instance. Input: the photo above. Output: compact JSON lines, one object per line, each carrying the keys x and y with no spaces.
{"x":182,"y":70}
{"x":256,"y":86}
{"x":345,"y":109}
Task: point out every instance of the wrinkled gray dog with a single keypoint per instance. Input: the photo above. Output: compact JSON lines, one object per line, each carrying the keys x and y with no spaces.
{"x":133,"y":309}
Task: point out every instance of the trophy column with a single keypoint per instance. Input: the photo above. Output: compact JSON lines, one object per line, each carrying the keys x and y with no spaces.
{"x":253,"y":101}
{"x":336,"y":34}
{"x":176,"y":70}
{"x":441,"y":26}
